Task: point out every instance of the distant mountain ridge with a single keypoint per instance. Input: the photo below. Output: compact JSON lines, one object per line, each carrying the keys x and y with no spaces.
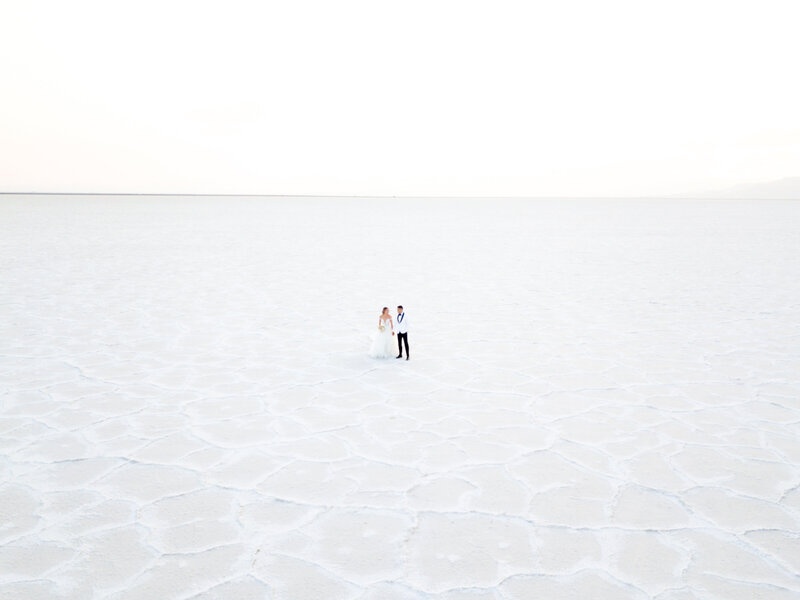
{"x":787,"y":188}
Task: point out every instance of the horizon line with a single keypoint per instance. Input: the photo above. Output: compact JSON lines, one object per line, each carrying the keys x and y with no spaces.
{"x":230,"y":195}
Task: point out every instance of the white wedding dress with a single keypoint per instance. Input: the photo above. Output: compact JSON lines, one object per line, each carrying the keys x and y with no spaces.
{"x":383,"y":342}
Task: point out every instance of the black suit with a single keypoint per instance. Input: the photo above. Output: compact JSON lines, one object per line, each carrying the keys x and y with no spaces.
{"x":402,"y":338}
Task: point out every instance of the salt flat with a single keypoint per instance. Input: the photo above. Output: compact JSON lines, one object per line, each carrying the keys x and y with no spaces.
{"x":603,"y":399}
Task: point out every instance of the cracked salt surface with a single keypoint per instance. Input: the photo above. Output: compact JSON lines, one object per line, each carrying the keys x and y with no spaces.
{"x":603,"y":400}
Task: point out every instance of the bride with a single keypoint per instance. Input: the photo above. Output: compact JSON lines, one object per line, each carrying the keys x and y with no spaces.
{"x":383,"y":342}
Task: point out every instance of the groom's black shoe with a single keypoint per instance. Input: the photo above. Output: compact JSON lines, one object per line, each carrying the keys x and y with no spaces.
{"x":399,"y":356}
{"x":407,"y":357}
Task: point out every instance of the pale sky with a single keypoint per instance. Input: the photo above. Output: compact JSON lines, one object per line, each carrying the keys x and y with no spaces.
{"x":498,"y":98}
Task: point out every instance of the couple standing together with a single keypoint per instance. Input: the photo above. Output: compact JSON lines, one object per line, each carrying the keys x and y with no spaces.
{"x":383,"y":342}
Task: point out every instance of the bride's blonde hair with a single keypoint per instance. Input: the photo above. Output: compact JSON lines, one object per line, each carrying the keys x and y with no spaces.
{"x":385,"y":308}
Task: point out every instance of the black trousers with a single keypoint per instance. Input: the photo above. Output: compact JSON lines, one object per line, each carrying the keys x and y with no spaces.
{"x":401,"y":339}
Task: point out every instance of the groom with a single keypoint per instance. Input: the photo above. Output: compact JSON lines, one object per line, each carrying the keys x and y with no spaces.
{"x":402,"y":333}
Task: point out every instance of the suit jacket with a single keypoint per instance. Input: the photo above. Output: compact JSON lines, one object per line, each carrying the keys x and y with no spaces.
{"x":401,"y":326}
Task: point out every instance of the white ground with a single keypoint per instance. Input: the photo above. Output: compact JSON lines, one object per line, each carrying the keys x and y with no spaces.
{"x":603,"y":399}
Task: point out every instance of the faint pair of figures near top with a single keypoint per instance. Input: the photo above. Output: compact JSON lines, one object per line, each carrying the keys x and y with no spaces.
{"x":389,"y":330}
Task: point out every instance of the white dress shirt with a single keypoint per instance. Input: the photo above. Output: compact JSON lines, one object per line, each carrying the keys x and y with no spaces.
{"x":401,"y":326}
